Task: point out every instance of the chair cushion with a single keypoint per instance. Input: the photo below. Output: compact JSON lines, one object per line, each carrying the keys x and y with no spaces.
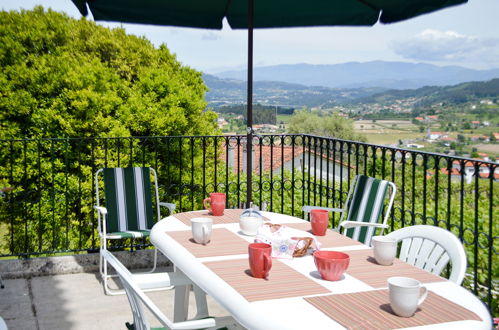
{"x":128,"y":234}
{"x":366,"y":205}
{"x":128,"y":199}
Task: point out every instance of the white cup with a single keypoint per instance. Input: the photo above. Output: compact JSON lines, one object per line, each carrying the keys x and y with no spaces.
{"x":201,"y":229}
{"x":385,"y":249}
{"x":405,"y":295}
{"x":249,"y":225}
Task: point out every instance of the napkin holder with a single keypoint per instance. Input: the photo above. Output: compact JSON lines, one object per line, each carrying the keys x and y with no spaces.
{"x":284,"y":243}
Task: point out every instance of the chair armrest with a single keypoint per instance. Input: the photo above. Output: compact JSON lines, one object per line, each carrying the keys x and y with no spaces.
{"x":308,"y":208}
{"x":352,"y":224}
{"x":101,"y":210}
{"x":170,"y":206}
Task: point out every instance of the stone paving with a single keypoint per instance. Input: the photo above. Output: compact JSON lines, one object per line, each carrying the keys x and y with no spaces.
{"x":75,"y":301}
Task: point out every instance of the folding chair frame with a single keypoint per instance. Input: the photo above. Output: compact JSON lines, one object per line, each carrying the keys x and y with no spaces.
{"x":103,"y":235}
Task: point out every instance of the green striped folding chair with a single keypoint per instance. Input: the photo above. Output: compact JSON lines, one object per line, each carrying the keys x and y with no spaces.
{"x":363,"y":208}
{"x":128,"y":211}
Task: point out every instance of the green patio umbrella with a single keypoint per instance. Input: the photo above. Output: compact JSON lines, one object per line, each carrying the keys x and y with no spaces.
{"x":250,"y":14}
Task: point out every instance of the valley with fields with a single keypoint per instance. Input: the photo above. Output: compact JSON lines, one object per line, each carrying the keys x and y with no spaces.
{"x":459,"y":120}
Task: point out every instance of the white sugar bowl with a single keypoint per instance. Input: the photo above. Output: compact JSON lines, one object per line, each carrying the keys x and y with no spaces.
{"x":249,"y":222}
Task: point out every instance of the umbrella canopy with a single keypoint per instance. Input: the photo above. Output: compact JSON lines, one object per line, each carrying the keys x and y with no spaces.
{"x":267,"y":13}
{"x":250,"y":14}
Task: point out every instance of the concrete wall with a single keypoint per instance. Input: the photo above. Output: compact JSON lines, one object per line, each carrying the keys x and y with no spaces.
{"x":82,"y":263}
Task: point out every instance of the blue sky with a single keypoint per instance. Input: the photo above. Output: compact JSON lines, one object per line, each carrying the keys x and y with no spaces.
{"x":466,"y":35}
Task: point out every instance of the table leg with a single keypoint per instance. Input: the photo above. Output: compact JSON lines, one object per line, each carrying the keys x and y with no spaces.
{"x":181,"y":307}
{"x":201,"y":303}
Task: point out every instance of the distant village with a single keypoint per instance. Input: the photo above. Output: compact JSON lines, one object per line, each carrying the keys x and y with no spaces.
{"x":455,"y":133}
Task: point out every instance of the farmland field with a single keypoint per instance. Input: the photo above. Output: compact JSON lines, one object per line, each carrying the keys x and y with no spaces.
{"x":387,"y":131}
{"x":388,"y":137}
{"x":490,"y":148}
{"x":404,"y":125}
{"x":284,"y":118}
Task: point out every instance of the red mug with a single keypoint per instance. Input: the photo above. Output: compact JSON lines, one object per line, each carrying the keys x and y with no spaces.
{"x":320,"y":222}
{"x":217,"y":203}
{"x":260,"y":260}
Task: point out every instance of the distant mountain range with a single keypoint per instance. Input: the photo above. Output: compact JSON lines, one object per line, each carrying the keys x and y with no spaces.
{"x":224,"y":92}
{"x":231,"y":91}
{"x":377,"y":74}
{"x":457,"y":94}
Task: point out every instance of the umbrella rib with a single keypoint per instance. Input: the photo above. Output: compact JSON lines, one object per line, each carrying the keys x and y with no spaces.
{"x":227,"y":6}
{"x":370,"y":5}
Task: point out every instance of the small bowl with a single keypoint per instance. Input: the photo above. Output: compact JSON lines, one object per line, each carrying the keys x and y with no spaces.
{"x":331,"y":264}
{"x":249,"y":225}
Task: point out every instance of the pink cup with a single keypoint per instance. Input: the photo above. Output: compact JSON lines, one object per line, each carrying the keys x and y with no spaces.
{"x":217,"y":203}
{"x":260,"y":260}
{"x":319,"y":221}
{"x":331,"y":264}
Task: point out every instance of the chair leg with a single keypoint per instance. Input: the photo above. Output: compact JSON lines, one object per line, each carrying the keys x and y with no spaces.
{"x":105,"y":281}
{"x":105,"y":278}
{"x":114,"y":292}
{"x":155,"y":262}
{"x":101,"y":271}
{"x":154,"y":266}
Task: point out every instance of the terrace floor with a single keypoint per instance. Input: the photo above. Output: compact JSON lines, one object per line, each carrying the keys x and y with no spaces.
{"x":75,"y":301}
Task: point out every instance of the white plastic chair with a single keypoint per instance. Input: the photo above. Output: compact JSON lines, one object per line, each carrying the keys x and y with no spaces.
{"x":128,"y":211}
{"x":3,"y":325}
{"x":138,"y":299}
{"x":363,"y":209}
{"x":431,"y":248}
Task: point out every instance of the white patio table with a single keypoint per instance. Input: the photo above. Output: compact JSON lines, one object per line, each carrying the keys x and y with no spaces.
{"x":290,"y":312}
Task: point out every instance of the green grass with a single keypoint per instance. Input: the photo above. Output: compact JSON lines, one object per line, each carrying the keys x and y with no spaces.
{"x":284,"y":118}
{"x":390,"y":137}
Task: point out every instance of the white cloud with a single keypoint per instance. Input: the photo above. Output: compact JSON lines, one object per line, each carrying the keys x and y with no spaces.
{"x":435,"y":45}
{"x":210,"y":36}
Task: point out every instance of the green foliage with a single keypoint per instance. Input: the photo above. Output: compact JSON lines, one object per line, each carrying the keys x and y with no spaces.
{"x":262,"y":114}
{"x":62,"y":77}
{"x":307,"y":122}
{"x":67,"y":78}
{"x":445,"y":95}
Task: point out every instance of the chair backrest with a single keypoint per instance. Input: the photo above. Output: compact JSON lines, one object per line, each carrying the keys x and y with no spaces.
{"x":138,"y":299}
{"x":366,"y":203}
{"x":128,"y":196}
{"x":431,"y":248}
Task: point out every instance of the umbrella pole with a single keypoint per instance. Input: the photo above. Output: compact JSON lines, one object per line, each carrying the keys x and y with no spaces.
{"x":249,"y":119}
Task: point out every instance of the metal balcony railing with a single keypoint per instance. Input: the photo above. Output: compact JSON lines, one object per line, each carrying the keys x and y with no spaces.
{"x":48,"y":192}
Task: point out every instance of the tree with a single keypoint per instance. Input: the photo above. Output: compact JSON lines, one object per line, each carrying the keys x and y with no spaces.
{"x":307,"y":122}
{"x":62,"y":77}
{"x":66,"y":78}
